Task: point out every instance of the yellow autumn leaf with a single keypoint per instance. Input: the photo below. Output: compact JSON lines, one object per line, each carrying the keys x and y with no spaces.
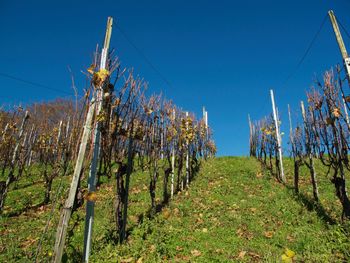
{"x":289,"y":253}
{"x":103,"y":74}
{"x":100,"y":76}
{"x":92,"y":197}
{"x":286,"y":259}
{"x":91,"y":69}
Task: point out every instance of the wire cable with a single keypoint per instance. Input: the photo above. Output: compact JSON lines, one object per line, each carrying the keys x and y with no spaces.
{"x":147,"y":60}
{"x":34,"y":84}
{"x":344,"y":29}
{"x":307,"y":51}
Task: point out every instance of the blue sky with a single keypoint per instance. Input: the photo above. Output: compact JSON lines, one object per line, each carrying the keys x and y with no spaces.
{"x":225,"y":55}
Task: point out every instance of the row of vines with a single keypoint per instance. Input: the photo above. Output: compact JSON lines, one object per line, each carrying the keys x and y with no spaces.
{"x":114,"y":128}
{"x":323,"y":135}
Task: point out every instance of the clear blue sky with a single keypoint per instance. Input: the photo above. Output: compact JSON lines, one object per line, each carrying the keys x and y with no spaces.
{"x":225,"y":55}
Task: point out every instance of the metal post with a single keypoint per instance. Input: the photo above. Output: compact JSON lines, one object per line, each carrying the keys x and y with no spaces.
{"x":278,"y":136}
{"x":90,"y":204}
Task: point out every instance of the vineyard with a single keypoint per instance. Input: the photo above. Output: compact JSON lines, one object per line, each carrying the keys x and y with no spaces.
{"x":121,"y":176}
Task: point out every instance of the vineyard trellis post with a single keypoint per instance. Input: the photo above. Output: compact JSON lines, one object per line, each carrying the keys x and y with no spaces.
{"x":187,"y":153}
{"x":250,"y":136}
{"x":278,"y":135}
{"x":90,"y":204}
{"x":162,"y":130}
{"x":4,"y":132}
{"x":205,"y":131}
{"x":173,"y":158}
{"x":290,"y":128}
{"x":206,"y":127}
{"x":346,"y":59}
{"x":346,"y":113}
{"x":68,"y":206}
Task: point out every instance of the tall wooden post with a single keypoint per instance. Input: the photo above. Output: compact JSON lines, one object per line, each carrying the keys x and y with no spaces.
{"x":346,"y":113}
{"x":4,"y":132}
{"x":346,"y":59}
{"x":205,"y":119}
{"x":90,"y":204}
{"x":173,"y":159}
{"x":250,"y":137}
{"x":278,"y":136}
{"x":187,"y":154}
{"x":205,"y":135}
{"x":162,"y":131}
{"x":68,"y":206}
{"x":290,"y":128}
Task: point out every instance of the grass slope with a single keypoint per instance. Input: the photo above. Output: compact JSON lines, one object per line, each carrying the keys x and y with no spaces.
{"x":232,"y":212}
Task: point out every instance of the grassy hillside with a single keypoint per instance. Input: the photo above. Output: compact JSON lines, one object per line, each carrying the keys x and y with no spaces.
{"x":233,"y":211}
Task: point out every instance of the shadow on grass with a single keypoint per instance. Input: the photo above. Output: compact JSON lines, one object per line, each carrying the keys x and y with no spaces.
{"x":23,"y":210}
{"x":306,"y":201}
{"x":312,"y":205}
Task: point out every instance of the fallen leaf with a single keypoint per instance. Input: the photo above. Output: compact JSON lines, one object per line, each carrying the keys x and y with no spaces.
{"x":268,"y":234}
{"x":127,"y":260}
{"x":289,"y":253}
{"x":242,"y":254}
{"x":152,"y":248}
{"x":286,"y":259}
{"x":196,"y":253}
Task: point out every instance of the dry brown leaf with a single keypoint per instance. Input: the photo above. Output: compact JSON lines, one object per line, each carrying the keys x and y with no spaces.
{"x":152,"y":248}
{"x":196,"y":253}
{"x":178,"y":248}
{"x":126,"y":260}
{"x":268,"y":234}
{"x":242,"y":254}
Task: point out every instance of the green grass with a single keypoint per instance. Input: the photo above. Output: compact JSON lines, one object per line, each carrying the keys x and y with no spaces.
{"x":232,"y":212}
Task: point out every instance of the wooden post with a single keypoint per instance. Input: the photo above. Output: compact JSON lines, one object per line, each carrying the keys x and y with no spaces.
{"x":346,"y":59}
{"x":278,"y":136}
{"x":187,"y":154}
{"x":68,"y":206}
{"x":250,"y":137}
{"x":162,"y":137}
{"x":205,"y":135}
{"x":290,"y":128}
{"x":207,"y":128}
{"x":4,"y":132}
{"x":346,"y":113}
{"x":173,"y":160}
{"x":90,"y":204}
